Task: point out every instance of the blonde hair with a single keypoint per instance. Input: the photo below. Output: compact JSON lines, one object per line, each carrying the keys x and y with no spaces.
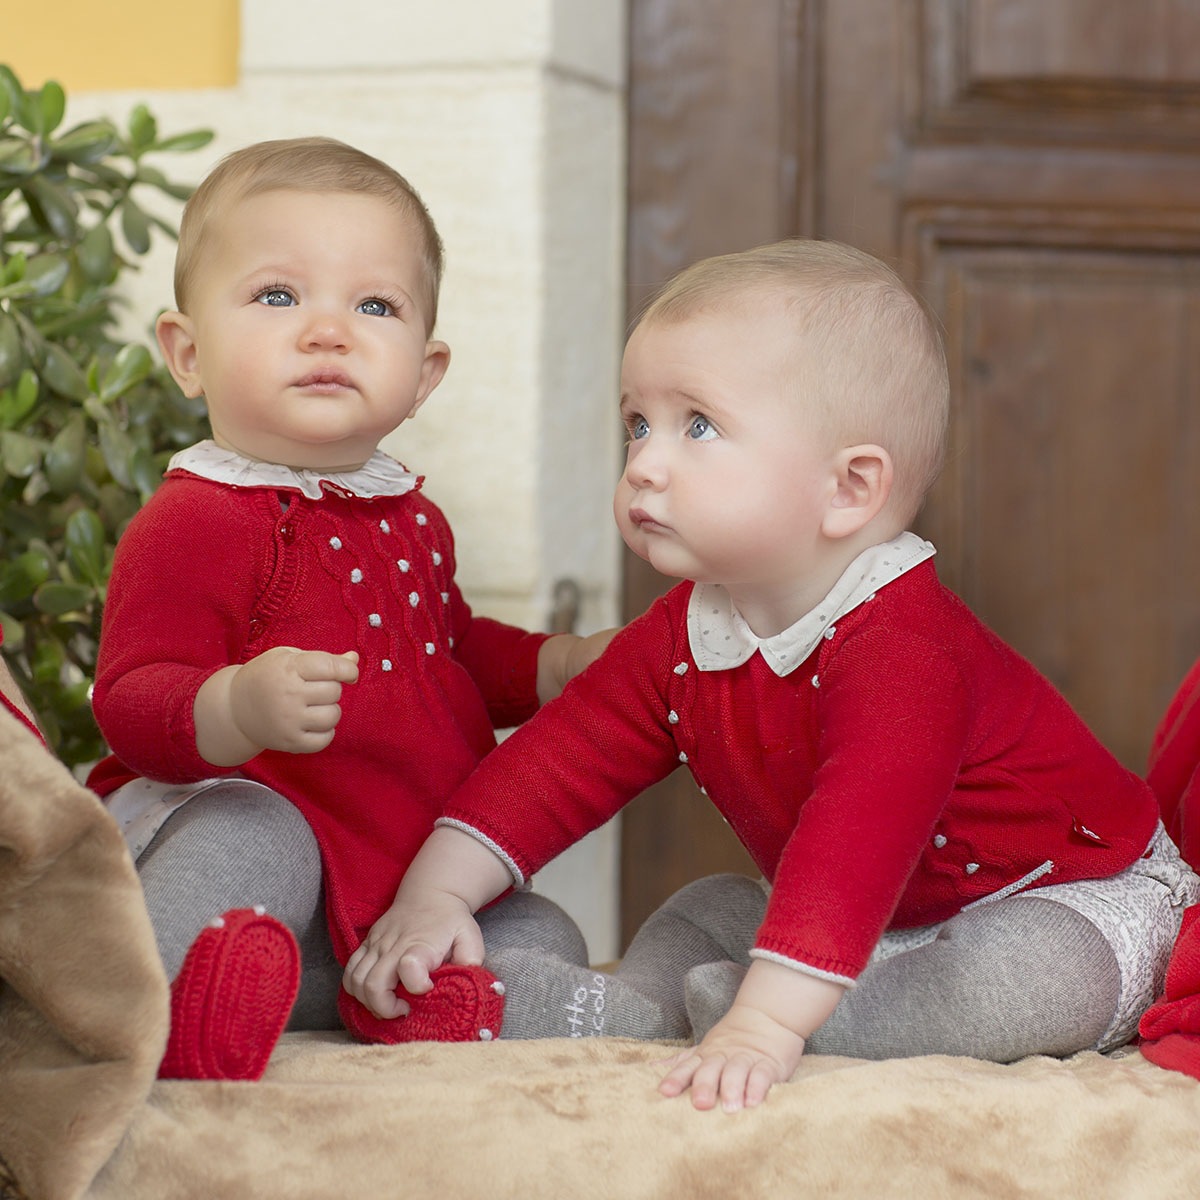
{"x":312,"y":164}
{"x":867,"y":354}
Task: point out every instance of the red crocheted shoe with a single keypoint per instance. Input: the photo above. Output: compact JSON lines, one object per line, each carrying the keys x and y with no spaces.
{"x":466,"y":1004}
{"x":232,"y":998}
{"x":1170,"y":1028}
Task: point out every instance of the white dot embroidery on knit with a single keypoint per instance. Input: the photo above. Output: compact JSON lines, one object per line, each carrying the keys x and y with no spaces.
{"x":816,"y":681}
{"x":403,"y":564}
{"x":385,"y":526}
{"x":939,"y":840}
{"x":681,"y":668}
{"x":971,"y":868}
{"x":430,"y":648}
{"x":673,"y":717}
{"x":356,"y":576}
{"x":336,"y":542}
{"x":830,"y":632}
{"x":386,"y":665}
{"x":374,"y":620}
{"x":437,"y":559}
{"x":422,"y":519}
{"x":445,"y":597}
{"x":414,"y":599}
{"x":683,"y":756}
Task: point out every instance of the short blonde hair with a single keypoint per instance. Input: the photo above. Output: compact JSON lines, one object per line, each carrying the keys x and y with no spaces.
{"x":312,"y":164}
{"x":870,"y":358}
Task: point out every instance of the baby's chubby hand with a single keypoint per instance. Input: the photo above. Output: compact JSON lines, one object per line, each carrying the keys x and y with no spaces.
{"x":288,"y":699}
{"x":409,"y":941}
{"x":285,"y":699}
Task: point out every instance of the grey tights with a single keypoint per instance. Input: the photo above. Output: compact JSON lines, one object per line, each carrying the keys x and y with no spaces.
{"x":999,"y":982}
{"x":236,"y":846}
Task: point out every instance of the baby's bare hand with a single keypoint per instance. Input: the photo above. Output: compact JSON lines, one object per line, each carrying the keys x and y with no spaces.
{"x":738,"y":1062}
{"x":404,"y":946}
{"x":288,"y":699}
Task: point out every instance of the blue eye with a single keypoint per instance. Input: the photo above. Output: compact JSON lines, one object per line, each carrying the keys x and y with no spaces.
{"x":700,"y":429}
{"x":638,"y":428}
{"x":276,"y":297}
{"x":375,"y":308}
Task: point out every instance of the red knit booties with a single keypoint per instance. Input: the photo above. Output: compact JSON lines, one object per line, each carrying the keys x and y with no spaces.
{"x":232,"y":998}
{"x":466,"y":1004}
{"x":1170,"y":1028}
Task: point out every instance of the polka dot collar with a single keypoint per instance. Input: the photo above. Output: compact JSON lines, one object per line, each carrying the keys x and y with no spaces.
{"x":380,"y":475}
{"x":720,"y":639}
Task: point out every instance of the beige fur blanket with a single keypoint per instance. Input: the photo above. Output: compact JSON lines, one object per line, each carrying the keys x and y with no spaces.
{"x":83,"y":1019}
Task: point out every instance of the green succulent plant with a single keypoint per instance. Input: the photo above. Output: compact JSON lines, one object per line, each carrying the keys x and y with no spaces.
{"x":87,"y":419}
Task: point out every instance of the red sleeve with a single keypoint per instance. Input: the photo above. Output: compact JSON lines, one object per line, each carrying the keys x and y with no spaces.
{"x":582,"y":757}
{"x":501,"y":659}
{"x":183,"y":585}
{"x":1172,"y":771}
{"x":894,"y":721}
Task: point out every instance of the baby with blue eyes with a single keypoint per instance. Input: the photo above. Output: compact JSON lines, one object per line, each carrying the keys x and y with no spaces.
{"x":289,"y":678}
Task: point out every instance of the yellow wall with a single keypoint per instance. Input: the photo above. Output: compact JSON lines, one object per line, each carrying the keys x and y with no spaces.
{"x":122,"y":44}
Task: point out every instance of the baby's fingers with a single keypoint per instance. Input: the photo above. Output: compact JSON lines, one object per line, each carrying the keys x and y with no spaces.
{"x":373,"y":983}
{"x":316,"y":666}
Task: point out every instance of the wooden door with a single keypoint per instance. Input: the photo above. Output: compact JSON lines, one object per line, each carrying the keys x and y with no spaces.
{"x":1032,"y":167}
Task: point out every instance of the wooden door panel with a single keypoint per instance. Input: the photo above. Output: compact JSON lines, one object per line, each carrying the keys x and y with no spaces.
{"x":1075,"y":377}
{"x":1032,"y":168}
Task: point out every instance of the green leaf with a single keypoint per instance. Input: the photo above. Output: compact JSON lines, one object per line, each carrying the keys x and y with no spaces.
{"x":19,"y":157}
{"x":135,"y":226}
{"x":117,"y":450}
{"x":12,"y":354}
{"x":52,"y":207}
{"x":13,"y":630}
{"x":144,"y":473}
{"x":21,"y":577}
{"x":85,"y":143}
{"x":62,"y":373}
{"x":14,"y":269}
{"x":58,"y":599}
{"x":63,"y":463}
{"x":46,"y":273}
{"x":17,"y":403}
{"x":20,"y":453}
{"x":10,"y":85}
{"x":131,"y":365}
{"x":181,"y":143}
{"x":52,"y":104}
{"x":48,"y":661}
{"x":143,"y":129}
{"x":94,"y":253}
{"x":85,"y":546}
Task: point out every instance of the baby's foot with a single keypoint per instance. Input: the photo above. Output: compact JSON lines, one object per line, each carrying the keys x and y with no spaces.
{"x":231,"y":998}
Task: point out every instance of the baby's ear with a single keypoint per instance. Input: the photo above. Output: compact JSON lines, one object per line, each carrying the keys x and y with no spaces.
{"x":863,"y":483}
{"x":178,"y":345}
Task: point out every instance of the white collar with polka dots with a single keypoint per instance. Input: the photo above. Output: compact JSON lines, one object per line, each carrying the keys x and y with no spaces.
{"x":380,"y":475}
{"x":720,"y":639}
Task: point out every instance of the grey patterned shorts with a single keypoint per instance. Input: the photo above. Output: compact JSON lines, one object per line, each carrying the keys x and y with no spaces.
{"x":1139,"y":913}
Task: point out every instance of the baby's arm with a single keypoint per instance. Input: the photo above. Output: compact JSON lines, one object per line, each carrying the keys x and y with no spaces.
{"x":431,"y":920}
{"x":562,"y":657}
{"x":757,"y":1043}
{"x":285,"y":699}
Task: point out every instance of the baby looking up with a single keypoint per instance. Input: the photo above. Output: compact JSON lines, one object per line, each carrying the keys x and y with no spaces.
{"x":289,"y":677}
{"x":952,"y":862}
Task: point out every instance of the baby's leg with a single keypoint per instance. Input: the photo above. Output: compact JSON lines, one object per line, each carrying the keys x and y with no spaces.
{"x":999,"y":982}
{"x":236,"y":846}
{"x":531,"y":922}
{"x":550,"y":996}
